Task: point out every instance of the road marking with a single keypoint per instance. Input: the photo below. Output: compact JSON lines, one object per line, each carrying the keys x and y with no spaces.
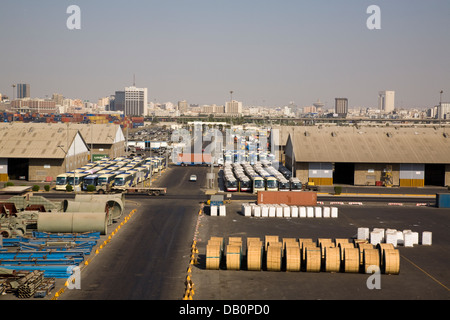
{"x":429,"y":275}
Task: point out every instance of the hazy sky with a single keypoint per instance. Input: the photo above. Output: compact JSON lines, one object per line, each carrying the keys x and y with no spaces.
{"x":267,"y":52}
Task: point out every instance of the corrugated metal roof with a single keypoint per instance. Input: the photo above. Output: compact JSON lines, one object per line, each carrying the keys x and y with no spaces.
{"x":371,"y":145}
{"x":24,"y":140}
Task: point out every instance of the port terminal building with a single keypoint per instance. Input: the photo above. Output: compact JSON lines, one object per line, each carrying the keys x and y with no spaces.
{"x":40,"y":151}
{"x":368,"y":156}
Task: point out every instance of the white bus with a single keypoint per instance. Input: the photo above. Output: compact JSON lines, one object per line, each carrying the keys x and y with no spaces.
{"x":62,"y":181}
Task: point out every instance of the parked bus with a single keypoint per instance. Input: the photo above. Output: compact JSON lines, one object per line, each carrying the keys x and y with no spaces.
{"x":106,"y":180}
{"x":245,"y":184}
{"x":91,"y":179}
{"x":231,"y":184}
{"x":271,"y":183}
{"x":76,"y":180}
{"x":284,"y":184}
{"x":62,"y":181}
{"x":124,"y":180}
{"x":296,"y":184}
{"x":258,"y":183}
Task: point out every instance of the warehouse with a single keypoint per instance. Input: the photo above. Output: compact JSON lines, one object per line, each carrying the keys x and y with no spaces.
{"x":390,"y":156}
{"x":41,"y":151}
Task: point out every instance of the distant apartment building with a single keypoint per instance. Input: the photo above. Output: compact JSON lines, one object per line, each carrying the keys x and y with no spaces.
{"x":233,"y":107}
{"x":386,"y":101}
{"x":132,"y":101}
{"x":34,"y":105}
{"x":182,"y":106}
{"x":341,"y":106}
{"x":443,"y":111}
{"x":23,"y":90}
{"x":212,"y":109}
{"x":58,"y":98}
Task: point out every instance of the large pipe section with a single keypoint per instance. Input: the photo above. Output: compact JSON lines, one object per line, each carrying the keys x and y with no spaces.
{"x":73,"y":222}
{"x":112,"y":203}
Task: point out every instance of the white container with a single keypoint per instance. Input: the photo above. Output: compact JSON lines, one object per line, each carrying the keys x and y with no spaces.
{"x":426,"y":238}
{"x":272,"y":211}
{"x":222,"y":211}
{"x":363,"y":233}
{"x":326,"y":212}
{"x":264,"y":211}
{"x":408,"y":238}
{"x":334,"y":212}
{"x":302,"y":212}
{"x":247,"y":210}
{"x":391,"y":237}
{"x":294,"y":211}
{"x":415,"y":237}
{"x":286,"y":211}
{"x":257,"y":211}
{"x":213,"y":211}
{"x":279,"y":211}
{"x":318,"y":212}
{"x":381,"y":230}
{"x":376,"y":237}
{"x":310,"y":212}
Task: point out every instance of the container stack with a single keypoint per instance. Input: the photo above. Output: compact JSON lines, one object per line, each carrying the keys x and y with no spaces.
{"x":287,"y":211}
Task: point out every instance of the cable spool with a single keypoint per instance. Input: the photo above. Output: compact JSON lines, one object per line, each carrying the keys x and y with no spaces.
{"x":293,"y":262}
{"x":233,"y":257}
{"x":273,"y":256}
{"x":391,"y":262}
{"x":371,"y":257}
{"x":303,"y":240}
{"x":254,"y":256}
{"x":213,"y":256}
{"x":219,"y":239}
{"x":288,"y":241}
{"x":324,"y":243}
{"x":313,"y":259}
{"x":351,"y":259}
{"x":344,"y":245}
{"x":269,"y":239}
{"x":305,"y":246}
{"x":381,"y":247}
{"x":338,"y":241}
{"x":253,"y":239}
{"x":362,"y":247}
{"x":237,"y":241}
{"x":332,"y":259}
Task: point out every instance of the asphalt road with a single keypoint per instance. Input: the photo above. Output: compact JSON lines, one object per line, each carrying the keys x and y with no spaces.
{"x":148,"y":258}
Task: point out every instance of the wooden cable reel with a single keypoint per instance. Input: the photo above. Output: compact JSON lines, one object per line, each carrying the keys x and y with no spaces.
{"x":213,"y":256}
{"x":391,"y":261}
{"x":371,"y":257}
{"x":332,"y":259}
{"x":362,"y":247}
{"x":254,"y":255}
{"x":273,"y":256}
{"x":293,"y":260}
{"x":313,"y":259}
{"x":351,"y":259}
{"x":233,"y":257}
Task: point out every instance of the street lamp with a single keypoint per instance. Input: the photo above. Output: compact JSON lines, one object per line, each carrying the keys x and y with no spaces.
{"x":440,"y":107}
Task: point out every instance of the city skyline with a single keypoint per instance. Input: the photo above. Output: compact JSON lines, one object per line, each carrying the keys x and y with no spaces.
{"x":269,"y":53}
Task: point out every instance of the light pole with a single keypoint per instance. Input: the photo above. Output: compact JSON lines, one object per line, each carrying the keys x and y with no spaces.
{"x":440,"y":107}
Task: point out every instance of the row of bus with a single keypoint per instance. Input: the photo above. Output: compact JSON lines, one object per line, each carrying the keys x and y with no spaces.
{"x":119,"y":173}
{"x":259,"y":177}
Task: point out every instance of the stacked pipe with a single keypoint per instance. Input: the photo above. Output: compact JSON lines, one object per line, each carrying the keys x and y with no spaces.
{"x":29,"y":284}
{"x":303,"y":254}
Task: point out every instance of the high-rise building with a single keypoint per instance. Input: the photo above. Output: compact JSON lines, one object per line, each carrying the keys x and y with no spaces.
{"x":341,"y":107}
{"x":233,"y":107}
{"x":23,"y":90}
{"x":386,"y":101}
{"x":182,"y":106}
{"x":132,"y":101}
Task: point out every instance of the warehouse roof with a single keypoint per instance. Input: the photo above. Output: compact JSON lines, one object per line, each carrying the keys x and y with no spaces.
{"x":371,"y":145}
{"x":25,"y":140}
